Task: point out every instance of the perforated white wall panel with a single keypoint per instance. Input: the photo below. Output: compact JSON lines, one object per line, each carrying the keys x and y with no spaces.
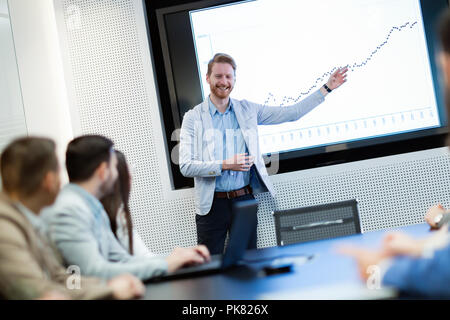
{"x":109,"y":75}
{"x":391,"y":191}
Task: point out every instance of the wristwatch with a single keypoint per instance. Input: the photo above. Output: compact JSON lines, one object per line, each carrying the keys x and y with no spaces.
{"x":438,"y":219}
{"x":327,"y":88}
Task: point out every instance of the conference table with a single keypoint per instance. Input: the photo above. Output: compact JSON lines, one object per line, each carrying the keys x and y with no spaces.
{"x":315,"y":270}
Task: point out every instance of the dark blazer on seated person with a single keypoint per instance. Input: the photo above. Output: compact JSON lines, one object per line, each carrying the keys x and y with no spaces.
{"x":28,"y":266}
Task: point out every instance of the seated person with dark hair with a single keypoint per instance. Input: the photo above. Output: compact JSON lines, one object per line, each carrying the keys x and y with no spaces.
{"x":79,"y":227}
{"x":29,"y":268}
{"x":116,"y":205}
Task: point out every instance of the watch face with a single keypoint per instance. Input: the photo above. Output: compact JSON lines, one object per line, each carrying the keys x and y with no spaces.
{"x":438,"y":218}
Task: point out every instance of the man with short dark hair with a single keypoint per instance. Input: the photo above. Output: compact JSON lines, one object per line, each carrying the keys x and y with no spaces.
{"x":28,"y":267}
{"x":219,"y":148}
{"x":79,"y":226}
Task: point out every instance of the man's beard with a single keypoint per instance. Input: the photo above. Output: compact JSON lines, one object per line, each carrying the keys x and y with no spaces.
{"x":220,"y":93}
{"x":108,"y":187}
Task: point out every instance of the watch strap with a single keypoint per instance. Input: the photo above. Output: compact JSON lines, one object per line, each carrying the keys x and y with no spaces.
{"x":327,"y":88}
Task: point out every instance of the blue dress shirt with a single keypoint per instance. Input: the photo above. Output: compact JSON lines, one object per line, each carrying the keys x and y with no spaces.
{"x":34,"y":219}
{"x":228,"y":142}
{"x":197,"y":156}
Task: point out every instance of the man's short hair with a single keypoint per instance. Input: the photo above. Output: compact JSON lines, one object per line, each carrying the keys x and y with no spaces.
{"x":84,"y":154}
{"x":25,"y":162}
{"x":221,"y":58}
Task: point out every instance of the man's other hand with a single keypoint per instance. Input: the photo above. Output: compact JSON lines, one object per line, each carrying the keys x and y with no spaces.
{"x":239,"y":162}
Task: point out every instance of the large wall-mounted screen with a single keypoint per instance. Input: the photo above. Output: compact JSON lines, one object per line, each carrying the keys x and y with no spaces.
{"x":286,"y":49}
{"x":393,"y":99}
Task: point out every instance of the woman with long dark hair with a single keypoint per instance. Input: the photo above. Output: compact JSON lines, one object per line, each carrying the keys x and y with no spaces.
{"x":117,"y":207}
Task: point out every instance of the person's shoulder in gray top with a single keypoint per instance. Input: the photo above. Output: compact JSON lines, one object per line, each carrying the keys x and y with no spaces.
{"x":79,"y":227}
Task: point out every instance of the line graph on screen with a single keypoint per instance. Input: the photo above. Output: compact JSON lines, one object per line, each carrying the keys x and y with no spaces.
{"x":281,"y":49}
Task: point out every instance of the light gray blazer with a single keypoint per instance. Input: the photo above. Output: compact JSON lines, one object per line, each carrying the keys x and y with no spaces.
{"x":82,"y":234}
{"x":197,"y":143}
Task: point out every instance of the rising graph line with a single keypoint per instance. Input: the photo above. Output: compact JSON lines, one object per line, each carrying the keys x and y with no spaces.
{"x":292,"y":100}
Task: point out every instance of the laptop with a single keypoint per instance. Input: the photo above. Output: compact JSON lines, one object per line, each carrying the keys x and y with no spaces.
{"x":239,"y":238}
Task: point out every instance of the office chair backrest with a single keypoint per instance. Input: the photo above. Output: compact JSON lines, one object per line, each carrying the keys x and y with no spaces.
{"x":317,"y":222}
